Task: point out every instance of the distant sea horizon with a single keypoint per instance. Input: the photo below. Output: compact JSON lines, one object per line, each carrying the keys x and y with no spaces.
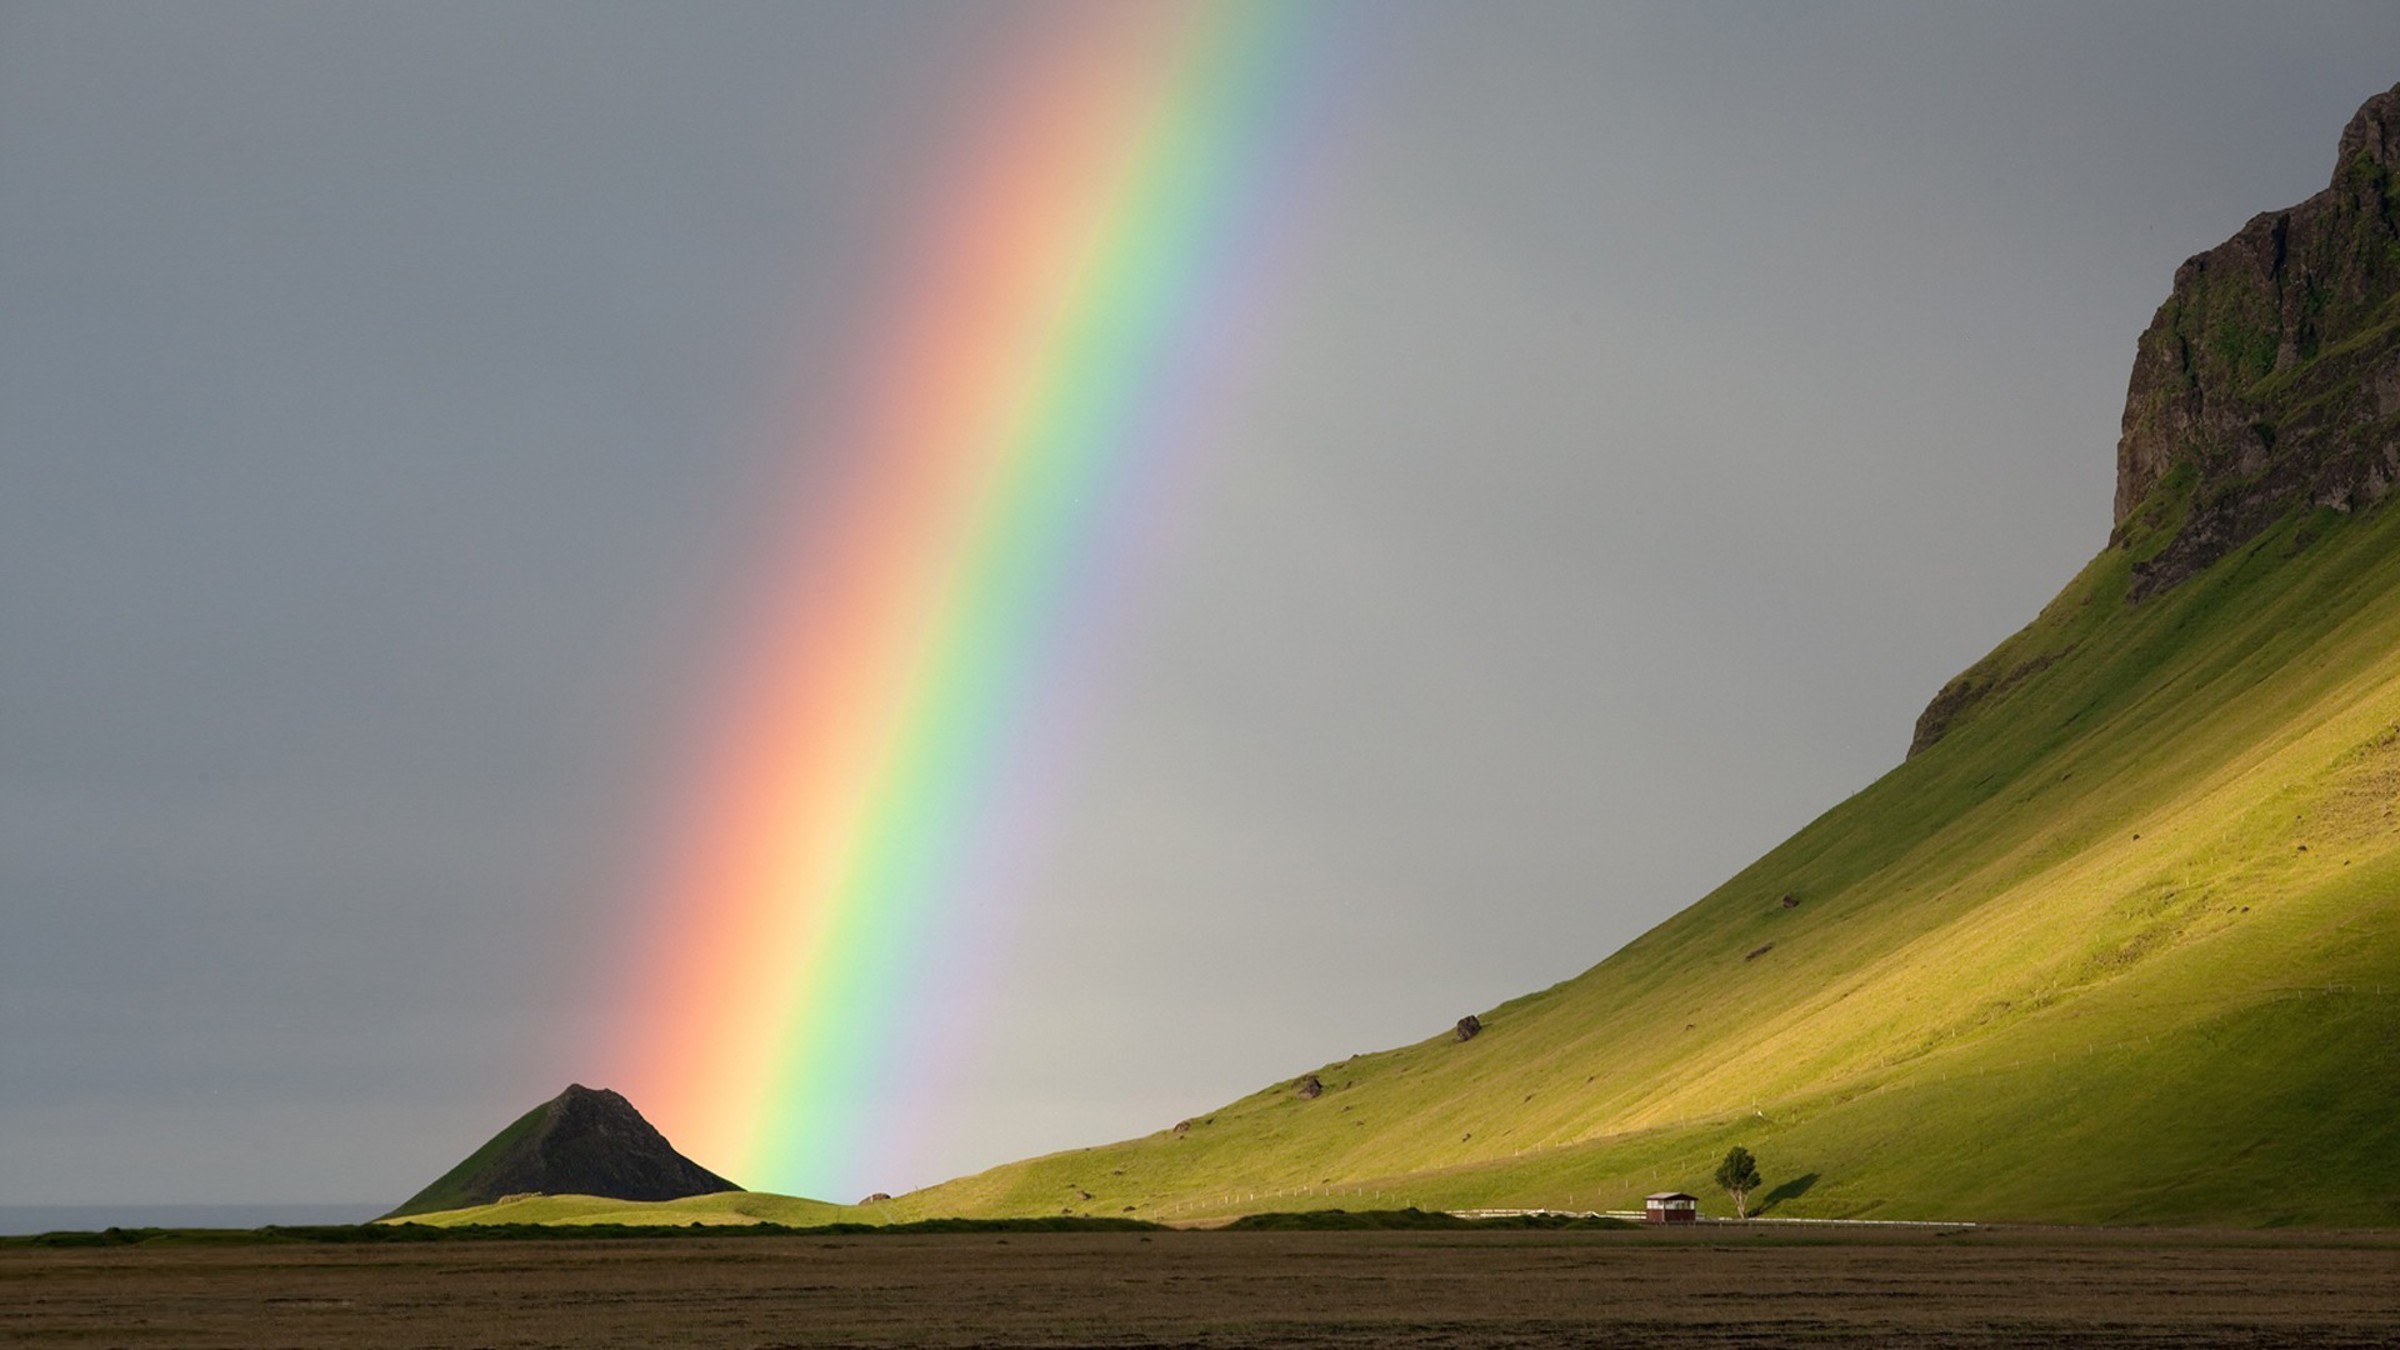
{"x":21,"y":1220}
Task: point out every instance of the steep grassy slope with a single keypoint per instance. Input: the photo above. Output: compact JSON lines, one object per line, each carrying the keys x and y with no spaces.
{"x":2124,"y":947}
{"x":2120,"y":940}
{"x":2127,"y":949}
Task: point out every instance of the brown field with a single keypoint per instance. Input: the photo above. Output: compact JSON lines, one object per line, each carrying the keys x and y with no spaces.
{"x":1724,"y":1286}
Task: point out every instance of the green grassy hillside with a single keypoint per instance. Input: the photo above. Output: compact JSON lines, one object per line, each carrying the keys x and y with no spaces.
{"x":2124,"y":946}
{"x":2118,"y":942}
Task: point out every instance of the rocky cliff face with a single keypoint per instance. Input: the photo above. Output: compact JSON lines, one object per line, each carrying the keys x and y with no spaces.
{"x":2268,"y":384}
{"x":2270,"y":379}
{"x":584,"y":1141}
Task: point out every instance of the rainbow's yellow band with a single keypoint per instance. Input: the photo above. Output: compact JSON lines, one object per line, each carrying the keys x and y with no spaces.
{"x":1064,"y":306}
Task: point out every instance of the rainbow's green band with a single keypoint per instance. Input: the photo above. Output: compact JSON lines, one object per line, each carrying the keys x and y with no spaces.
{"x":1068,"y":309}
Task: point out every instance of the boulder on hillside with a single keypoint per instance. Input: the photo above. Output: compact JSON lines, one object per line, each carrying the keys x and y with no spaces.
{"x":1308,"y":1089}
{"x":1469,"y":1027}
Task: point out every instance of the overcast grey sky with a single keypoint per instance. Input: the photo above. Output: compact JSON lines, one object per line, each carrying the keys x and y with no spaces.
{"x":1662,"y":403}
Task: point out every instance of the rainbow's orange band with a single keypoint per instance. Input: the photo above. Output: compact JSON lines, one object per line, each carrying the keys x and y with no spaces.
{"x":1062,"y":306}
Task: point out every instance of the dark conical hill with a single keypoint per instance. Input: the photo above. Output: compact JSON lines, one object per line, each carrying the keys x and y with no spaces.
{"x":584,"y":1141}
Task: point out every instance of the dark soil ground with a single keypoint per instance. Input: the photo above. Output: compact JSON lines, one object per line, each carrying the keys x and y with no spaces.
{"x":1724,"y":1286}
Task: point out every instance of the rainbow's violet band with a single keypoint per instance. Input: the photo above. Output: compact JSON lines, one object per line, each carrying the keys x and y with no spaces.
{"x":1080,"y":282}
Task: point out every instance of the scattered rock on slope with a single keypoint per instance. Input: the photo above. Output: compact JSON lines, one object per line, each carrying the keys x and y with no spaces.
{"x":1469,"y":1027}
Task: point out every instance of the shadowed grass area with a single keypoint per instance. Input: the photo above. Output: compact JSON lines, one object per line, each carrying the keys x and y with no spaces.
{"x":453,"y":1188}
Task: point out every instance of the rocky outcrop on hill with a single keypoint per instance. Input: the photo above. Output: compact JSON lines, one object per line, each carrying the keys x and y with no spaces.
{"x":2269,"y":381}
{"x":584,"y":1141}
{"x":1974,"y":687}
{"x":2267,"y":385}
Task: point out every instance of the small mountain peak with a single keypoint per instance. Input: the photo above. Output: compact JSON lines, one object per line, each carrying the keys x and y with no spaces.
{"x":584,"y":1141}
{"x":579,"y":1095}
{"x":2374,"y":132}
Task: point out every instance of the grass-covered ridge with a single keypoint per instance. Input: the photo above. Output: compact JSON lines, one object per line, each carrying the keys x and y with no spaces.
{"x":2118,"y":942}
{"x":2124,"y":945}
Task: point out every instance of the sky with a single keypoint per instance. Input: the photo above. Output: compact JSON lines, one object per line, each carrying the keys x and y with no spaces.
{"x":1653,"y":405}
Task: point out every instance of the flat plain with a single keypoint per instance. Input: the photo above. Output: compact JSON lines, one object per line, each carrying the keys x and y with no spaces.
{"x":1723,"y":1285}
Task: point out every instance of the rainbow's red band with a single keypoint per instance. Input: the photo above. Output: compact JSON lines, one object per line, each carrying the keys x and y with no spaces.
{"x":1064,"y":302}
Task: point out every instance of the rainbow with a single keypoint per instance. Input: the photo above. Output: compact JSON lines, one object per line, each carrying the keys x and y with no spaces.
{"x":1075,"y":292}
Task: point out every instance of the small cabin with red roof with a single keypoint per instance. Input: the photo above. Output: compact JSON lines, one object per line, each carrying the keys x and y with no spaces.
{"x":1671,"y":1207}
